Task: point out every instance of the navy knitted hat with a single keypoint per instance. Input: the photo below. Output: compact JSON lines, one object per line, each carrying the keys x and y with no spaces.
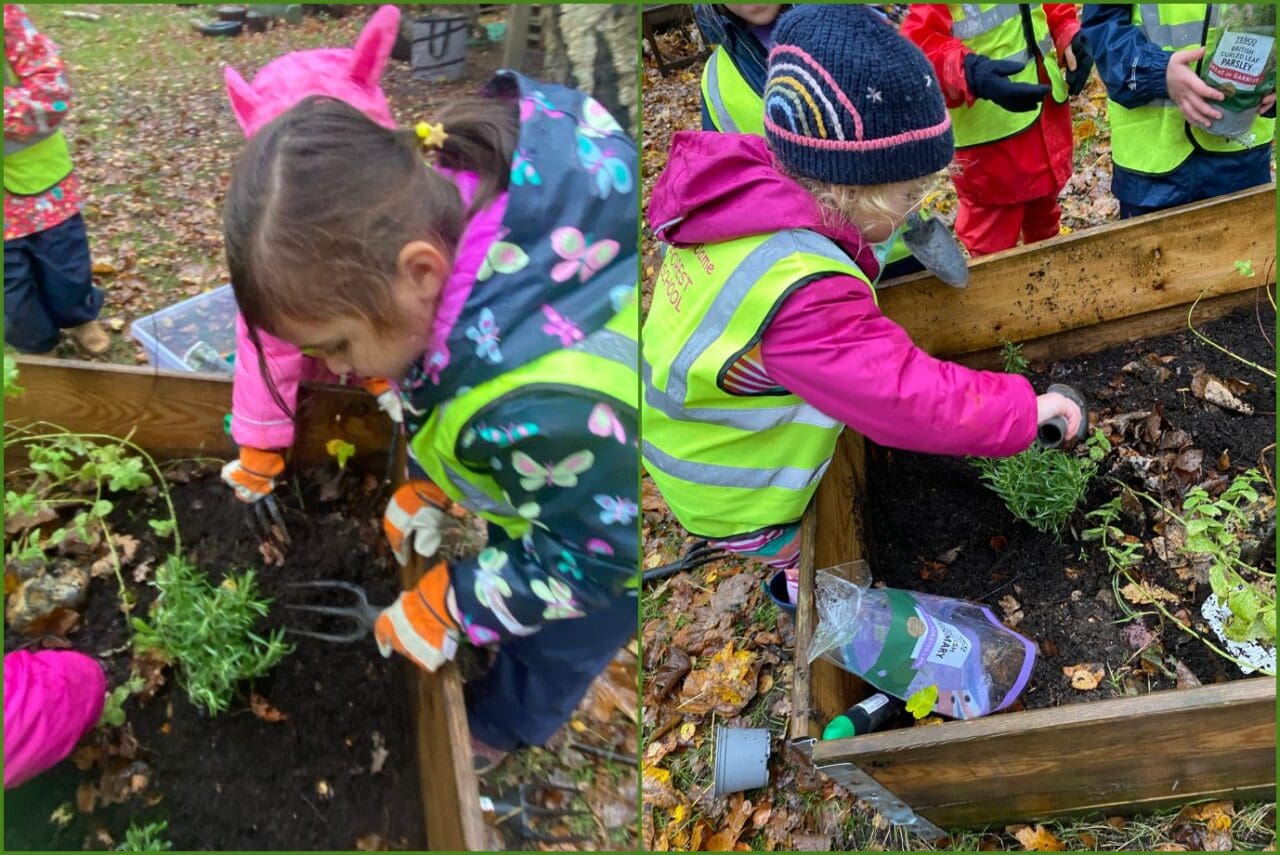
{"x":849,"y":101}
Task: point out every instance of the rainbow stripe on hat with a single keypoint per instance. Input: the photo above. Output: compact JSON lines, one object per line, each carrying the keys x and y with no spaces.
{"x":818,"y":112}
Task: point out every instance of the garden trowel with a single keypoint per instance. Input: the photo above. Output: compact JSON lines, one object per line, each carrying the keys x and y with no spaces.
{"x":934,"y":246}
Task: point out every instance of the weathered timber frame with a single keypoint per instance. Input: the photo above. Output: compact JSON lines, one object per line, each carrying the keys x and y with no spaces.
{"x":1064,"y":297}
{"x":174,"y":416}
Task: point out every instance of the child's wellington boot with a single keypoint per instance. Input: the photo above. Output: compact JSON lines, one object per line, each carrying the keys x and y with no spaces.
{"x":91,"y":338}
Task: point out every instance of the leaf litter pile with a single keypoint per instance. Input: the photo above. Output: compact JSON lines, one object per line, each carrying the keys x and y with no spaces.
{"x":717,"y":652}
{"x":153,"y":142}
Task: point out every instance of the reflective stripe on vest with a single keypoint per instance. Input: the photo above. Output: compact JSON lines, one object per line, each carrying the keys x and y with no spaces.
{"x":1155,"y":139}
{"x":734,"y":107}
{"x":604,"y":363}
{"x":730,"y":463}
{"x":39,"y":162}
{"x":995,"y":30}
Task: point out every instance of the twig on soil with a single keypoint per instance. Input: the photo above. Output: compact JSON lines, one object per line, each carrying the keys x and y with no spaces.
{"x":323,"y":818}
{"x":1266,"y":471}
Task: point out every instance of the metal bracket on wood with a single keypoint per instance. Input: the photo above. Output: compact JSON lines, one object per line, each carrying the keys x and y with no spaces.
{"x":871,"y":791}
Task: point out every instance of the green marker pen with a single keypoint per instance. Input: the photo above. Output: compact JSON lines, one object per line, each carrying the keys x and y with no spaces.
{"x":863,"y":717}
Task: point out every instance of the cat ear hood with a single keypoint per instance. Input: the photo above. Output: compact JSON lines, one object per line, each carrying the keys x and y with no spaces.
{"x":351,"y":75}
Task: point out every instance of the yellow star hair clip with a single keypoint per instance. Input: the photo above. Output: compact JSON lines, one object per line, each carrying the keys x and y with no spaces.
{"x":432,"y":136}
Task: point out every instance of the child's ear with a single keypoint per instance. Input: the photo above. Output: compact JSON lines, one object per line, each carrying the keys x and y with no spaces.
{"x":244,"y":101}
{"x":373,"y":47}
{"x":424,"y":269}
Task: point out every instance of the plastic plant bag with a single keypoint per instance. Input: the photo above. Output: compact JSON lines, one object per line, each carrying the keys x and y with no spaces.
{"x":1240,"y":62}
{"x":903,"y":641}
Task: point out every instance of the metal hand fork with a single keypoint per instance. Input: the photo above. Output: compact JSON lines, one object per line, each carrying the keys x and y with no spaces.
{"x":522,"y":811}
{"x":267,"y":523}
{"x":699,"y":553}
{"x":361,"y":613}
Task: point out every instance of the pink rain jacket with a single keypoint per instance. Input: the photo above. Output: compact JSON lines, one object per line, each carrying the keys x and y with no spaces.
{"x":348,"y":75}
{"x":828,"y":343}
{"x":51,"y":699}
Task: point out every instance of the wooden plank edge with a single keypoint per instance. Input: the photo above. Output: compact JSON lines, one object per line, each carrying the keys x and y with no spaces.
{"x":1054,"y":720}
{"x":948,"y":819}
{"x":1058,"y":285}
{"x":1262,"y":792}
{"x":451,"y":801}
{"x":801,"y":696}
{"x":325,"y":411}
{"x":1089,"y":340}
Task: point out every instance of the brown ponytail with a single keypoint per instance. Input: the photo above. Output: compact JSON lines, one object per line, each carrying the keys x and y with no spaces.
{"x":482,"y":134}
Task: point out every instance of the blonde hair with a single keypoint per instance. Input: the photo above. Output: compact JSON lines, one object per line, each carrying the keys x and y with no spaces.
{"x":866,"y":205}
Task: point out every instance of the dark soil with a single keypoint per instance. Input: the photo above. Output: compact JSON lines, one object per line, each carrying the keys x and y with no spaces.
{"x":235,"y":781}
{"x":921,"y":507}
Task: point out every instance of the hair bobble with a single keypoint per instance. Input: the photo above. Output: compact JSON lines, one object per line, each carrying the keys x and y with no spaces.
{"x":432,"y":136}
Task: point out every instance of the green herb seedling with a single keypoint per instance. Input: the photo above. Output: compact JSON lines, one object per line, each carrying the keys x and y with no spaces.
{"x":1013,"y":360}
{"x":146,"y":838}
{"x":207,"y":630}
{"x":113,"y":707}
{"x":340,"y":450}
{"x":1043,"y":486}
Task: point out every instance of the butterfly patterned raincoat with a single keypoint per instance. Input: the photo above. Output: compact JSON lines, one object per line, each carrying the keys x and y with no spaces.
{"x":524,"y":406}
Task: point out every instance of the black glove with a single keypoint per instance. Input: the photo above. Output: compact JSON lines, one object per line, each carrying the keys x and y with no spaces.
{"x":1084,"y":64}
{"x":989,"y":78}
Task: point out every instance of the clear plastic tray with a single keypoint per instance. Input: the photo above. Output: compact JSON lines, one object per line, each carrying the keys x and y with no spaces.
{"x":198,"y":334}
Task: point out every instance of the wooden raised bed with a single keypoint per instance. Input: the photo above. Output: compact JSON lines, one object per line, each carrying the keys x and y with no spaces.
{"x":1064,"y":297}
{"x":175,"y":415}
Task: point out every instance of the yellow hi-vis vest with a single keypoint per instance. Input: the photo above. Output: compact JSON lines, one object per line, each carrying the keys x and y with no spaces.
{"x":731,"y":463}
{"x":1156,"y":138}
{"x":603,"y":362}
{"x":33,"y":165}
{"x":996,"y":30}
{"x":734,"y":107}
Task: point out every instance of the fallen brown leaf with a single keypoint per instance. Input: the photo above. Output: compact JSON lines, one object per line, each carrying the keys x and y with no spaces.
{"x":19,"y":523}
{"x":1085,"y":676}
{"x":726,"y":684}
{"x":1186,"y":679}
{"x":263,"y":710}
{"x":1013,"y":613}
{"x":658,"y":789}
{"x":1147,"y":592}
{"x":1207,"y":387}
{"x":1038,"y":839}
{"x":801,"y":842}
{"x":659,"y":684}
{"x":57,"y":623}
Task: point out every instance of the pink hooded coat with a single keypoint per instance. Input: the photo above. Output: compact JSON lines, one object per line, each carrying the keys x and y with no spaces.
{"x":828,"y":343}
{"x":350,"y":75}
{"x":51,"y":699}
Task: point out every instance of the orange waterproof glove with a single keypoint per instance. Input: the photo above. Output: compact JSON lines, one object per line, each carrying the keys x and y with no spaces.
{"x":419,"y":624}
{"x":388,"y":399}
{"x":414,"y":518}
{"x":253,"y":476}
